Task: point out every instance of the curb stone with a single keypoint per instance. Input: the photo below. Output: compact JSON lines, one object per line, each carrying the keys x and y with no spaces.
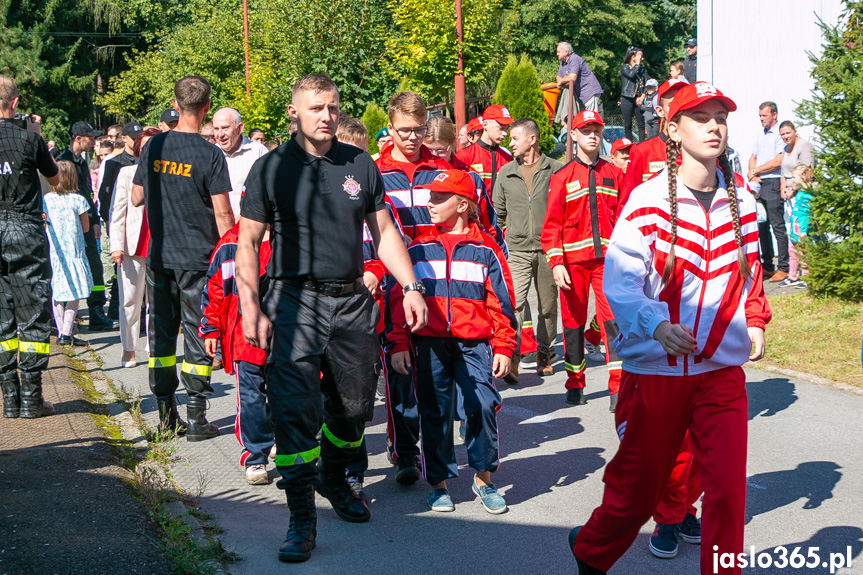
{"x":808,"y":377}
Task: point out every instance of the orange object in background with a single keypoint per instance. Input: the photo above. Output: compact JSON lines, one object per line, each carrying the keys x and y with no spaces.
{"x":550,"y":92}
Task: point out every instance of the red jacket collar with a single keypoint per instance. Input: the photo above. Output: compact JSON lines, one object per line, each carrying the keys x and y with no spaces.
{"x":474,"y":235}
{"x":427,"y":159}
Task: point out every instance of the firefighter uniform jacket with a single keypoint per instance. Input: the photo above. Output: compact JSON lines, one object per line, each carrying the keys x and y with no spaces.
{"x":485,"y":160}
{"x":220,"y":303}
{"x":468,"y":292}
{"x":645,"y":160}
{"x":705,"y":291}
{"x":581,"y":212}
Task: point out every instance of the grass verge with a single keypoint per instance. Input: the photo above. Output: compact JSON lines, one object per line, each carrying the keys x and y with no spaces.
{"x":817,"y":336}
{"x":150,"y":487}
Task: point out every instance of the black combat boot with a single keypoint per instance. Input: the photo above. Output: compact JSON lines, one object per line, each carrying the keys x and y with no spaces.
{"x":11,"y":394}
{"x":169,"y":418}
{"x":32,"y":404}
{"x":302,"y":529}
{"x":198,"y":428}
{"x":332,"y":484}
{"x":98,"y":320}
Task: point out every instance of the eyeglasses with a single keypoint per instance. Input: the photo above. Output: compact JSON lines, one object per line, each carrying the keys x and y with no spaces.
{"x":406,"y":132}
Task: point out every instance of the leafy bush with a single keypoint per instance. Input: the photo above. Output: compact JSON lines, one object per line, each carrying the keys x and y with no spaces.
{"x":374,"y":117}
{"x":519,"y":90}
{"x":836,"y":268}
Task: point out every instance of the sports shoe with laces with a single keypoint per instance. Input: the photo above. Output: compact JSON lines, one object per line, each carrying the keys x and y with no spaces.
{"x":491,"y":500}
{"x":663,"y":542}
{"x":439,"y":500}
{"x":257,"y":474}
{"x":408,"y":471}
{"x":690,"y":529}
{"x":593,"y":352}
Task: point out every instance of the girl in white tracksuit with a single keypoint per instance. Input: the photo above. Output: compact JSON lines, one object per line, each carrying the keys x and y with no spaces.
{"x":683,"y":281}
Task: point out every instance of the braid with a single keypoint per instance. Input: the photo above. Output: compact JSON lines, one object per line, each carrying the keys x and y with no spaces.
{"x":672,"y":152}
{"x":731,"y":188}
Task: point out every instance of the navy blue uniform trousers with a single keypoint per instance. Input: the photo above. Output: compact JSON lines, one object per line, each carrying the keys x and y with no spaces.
{"x":253,"y":426}
{"x":444,"y":366}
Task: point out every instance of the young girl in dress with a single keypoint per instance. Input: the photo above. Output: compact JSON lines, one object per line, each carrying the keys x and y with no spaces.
{"x":683,"y":280}
{"x":66,"y":214}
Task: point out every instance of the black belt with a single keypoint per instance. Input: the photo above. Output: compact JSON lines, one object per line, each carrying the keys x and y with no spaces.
{"x":332,"y":289}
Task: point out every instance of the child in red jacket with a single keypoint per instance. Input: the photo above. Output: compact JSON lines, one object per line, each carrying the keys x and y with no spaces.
{"x":223,"y":323}
{"x":469,"y":339}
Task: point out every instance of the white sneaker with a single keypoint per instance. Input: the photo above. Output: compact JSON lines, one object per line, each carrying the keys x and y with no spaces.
{"x":257,"y":474}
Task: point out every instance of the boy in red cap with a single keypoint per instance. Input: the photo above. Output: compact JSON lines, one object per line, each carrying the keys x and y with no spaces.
{"x":684,"y":334}
{"x":648,"y":157}
{"x":485,"y":156}
{"x":620,"y":153}
{"x":469,"y":339}
{"x":579,"y":217}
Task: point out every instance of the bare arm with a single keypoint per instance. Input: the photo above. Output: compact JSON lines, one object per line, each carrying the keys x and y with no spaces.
{"x":256,"y":326}
{"x":85,"y":222}
{"x":137,"y":195}
{"x":224,"y":213}
{"x":53,"y":180}
{"x":392,"y":252}
{"x":770,"y":166}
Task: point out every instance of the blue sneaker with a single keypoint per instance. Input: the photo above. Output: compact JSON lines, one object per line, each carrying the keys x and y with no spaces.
{"x":690,"y":529}
{"x":490,"y":498}
{"x":439,"y":500}
{"x":663,"y":542}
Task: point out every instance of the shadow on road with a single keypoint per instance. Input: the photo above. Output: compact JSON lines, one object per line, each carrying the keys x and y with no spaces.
{"x":812,"y":480}
{"x":769,"y":397}
{"x":535,"y":476}
{"x":829,"y":540}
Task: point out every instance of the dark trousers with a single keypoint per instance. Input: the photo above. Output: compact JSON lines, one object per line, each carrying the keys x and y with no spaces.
{"x":652,"y":129}
{"x":174,"y":298}
{"x":253,"y":426}
{"x":320,"y":345}
{"x":403,"y":424}
{"x":775,"y":206}
{"x":91,"y":251}
{"x":628,"y":107}
{"x":25,"y":297}
{"x":442,"y":365}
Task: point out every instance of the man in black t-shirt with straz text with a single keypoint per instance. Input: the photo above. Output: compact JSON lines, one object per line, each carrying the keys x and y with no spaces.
{"x":318,"y":321}
{"x":25,"y":270}
{"x":183,"y":183}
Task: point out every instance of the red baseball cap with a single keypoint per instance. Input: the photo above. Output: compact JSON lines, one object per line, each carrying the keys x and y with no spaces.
{"x":669,"y":87}
{"x":474,"y":124}
{"x":497,"y":113}
{"x":692,"y":95}
{"x":456,"y":182}
{"x":586,"y":117}
{"x":620,"y":144}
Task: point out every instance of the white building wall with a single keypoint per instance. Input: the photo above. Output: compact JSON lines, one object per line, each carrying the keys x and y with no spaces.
{"x":756,"y":50}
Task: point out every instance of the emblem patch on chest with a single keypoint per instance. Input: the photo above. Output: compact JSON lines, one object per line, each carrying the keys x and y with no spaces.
{"x":352,"y":187}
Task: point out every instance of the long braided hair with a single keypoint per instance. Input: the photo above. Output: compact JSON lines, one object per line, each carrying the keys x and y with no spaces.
{"x":672,"y":152}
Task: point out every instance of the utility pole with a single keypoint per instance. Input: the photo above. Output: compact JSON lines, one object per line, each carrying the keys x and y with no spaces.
{"x":246,"y":42}
{"x":459,"y":75}
{"x":570,"y":116}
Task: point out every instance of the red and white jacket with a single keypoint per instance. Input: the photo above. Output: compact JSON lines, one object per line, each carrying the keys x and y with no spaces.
{"x":705,"y":291}
{"x":220,"y":303}
{"x":468,"y":292}
{"x":580,"y":213}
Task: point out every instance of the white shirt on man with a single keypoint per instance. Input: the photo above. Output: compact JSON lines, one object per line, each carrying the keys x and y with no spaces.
{"x":239,"y":164}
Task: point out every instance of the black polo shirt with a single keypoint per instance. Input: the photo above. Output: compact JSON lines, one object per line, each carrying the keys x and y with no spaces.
{"x":316,"y":207}
{"x":22,"y":153}
{"x":85,"y":184}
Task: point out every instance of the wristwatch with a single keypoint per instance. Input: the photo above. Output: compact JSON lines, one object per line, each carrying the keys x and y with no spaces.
{"x":416,"y":286}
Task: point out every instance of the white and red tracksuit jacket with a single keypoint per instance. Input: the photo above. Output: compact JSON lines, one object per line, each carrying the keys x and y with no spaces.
{"x":705,"y":292}
{"x":580,"y":213}
{"x":468,"y":292}
{"x":220,"y":303}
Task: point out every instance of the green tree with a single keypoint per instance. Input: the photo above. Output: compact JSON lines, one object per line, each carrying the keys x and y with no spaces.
{"x":374,"y":117}
{"x":600,"y":33}
{"x":836,"y":266}
{"x":423,"y":49}
{"x":518,"y":89}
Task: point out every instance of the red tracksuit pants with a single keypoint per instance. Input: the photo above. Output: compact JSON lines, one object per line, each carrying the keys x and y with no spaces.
{"x":653,"y":415}
{"x":683,"y":488}
{"x":573,"y":309}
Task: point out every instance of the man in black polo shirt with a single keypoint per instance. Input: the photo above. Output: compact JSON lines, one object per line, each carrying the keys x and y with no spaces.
{"x":318,"y":321}
{"x":25,"y":270}
{"x":82,"y":137}
{"x":183,"y":182}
